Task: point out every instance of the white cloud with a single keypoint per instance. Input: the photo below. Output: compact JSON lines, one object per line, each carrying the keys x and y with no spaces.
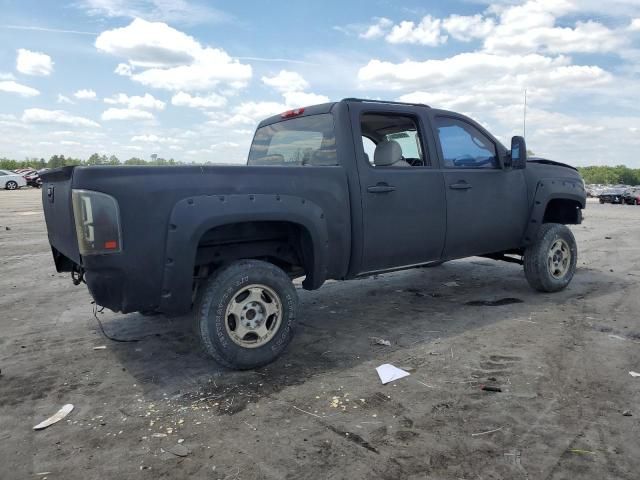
{"x":126,"y":114}
{"x":286,"y":81}
{"x":427,"y":32}
{"x":40,"y":115}
{"x":167,"y":10}
{"x":124,"y":69}
{"x":212,"y":67}
{"x":212,"y":100}
{"x":64,"y":99}
{"x":171,"y":59}
{"x":303,"y":99}
{"x":531,"y":27}
{"x":465,"y":28}
{"x":377,"y":30}
{"x":6,"y":76}
{"x":479,"y":68}
{"x":69,"y":142}
{"x":247,"y":113}
{"x":225,"y":145}
{"x":635,"y":25}
{"x":85,"y":94}
{"x":146,"y":101}
{"x":9,"y":86}
{"x":152,"y":138}
{"x":149,"y":44}
{"x":33,"y":63}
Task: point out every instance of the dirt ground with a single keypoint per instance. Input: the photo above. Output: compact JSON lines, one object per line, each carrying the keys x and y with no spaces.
{"x":562,"y":361}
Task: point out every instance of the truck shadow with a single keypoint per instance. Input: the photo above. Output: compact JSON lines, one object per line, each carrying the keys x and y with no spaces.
{"x":337,"y":327}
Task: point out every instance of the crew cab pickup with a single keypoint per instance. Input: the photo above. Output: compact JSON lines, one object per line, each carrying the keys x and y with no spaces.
{"x":332,"y":191}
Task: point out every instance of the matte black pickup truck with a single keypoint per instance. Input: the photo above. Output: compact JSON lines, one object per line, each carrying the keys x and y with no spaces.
{"x":332,"y":191}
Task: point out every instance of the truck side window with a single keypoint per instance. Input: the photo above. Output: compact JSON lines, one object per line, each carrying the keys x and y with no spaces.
{"x":299,"y":141}
{"x":391,"y":140}
{"x":464,"y":146}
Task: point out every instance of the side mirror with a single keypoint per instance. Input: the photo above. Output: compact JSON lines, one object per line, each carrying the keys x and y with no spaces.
{"x":518,"y":154}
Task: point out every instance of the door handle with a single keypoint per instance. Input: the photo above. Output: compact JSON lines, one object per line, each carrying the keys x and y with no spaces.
{"x":380,"y":188}
{"x":460,"y":186}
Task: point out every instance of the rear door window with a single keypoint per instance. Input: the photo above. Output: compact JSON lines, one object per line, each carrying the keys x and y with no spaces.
{"x":296,"y":142}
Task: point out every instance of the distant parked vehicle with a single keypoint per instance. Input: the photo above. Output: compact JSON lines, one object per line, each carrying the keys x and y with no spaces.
{"x":31,"y":176}
{"x":632,"y":196}
{"x":11,"y":181}
{"x":613,"y":195}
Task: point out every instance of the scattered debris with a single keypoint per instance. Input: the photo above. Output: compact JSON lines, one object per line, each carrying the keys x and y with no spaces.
{"x":491,"y":388}
{"x":581,"y":452}
{"x":179,"y":450}
{"x":59,"y":415}
{"x":487,"y":432}
{"x":494,"y":303}
{"x":627,"y":413}
{"x":607,"y":238}
{"x":159,"y":435}
{"x":451,"y":284}
{"x":617,"y":337}
{"x":380,"y":341}
{"x":304,"y":411}
{"x":101,"y":347}
{"x":389,"y":373}
{"x":634,"y":374}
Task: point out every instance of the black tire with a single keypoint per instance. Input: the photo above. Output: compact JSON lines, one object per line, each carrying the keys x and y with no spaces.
{"x":11,"y":185}
{"x":216,"y":328}
{"x":601,"y":200}
{"x":540,"y":271}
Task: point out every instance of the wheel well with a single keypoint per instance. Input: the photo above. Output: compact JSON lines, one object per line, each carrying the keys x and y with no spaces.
{"x":285,"y":244}
{"x":563,"y":210}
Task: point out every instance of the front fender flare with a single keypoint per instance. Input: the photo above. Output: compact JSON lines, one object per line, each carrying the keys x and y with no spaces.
{"x":548,"y":189}
{"x":191,"y":217}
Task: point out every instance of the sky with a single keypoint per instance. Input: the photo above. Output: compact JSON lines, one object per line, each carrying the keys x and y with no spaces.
{"x":189,"y":79}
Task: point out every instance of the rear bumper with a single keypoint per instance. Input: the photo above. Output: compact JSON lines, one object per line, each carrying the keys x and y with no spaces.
{"x":108,"y":289}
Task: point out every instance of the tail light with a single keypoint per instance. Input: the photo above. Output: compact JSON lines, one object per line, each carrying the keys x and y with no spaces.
{"x":97,"y":219}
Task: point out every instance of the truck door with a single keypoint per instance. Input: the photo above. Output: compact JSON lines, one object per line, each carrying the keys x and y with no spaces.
{"x":486,"y":203}
{"x":403,"y":210}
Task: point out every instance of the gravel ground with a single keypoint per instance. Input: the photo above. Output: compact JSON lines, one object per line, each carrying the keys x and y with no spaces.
{"x":160,"y":408}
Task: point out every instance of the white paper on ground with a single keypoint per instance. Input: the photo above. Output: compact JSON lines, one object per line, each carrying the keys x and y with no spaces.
{"x":389,"y":373}
{"x":59,"y":415}
{"x":634,"y":374}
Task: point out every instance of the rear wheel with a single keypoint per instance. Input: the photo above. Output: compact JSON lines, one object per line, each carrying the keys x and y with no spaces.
{"x":246,"y":314}
{"x":550,"y":263}
{"x":11,"y":185}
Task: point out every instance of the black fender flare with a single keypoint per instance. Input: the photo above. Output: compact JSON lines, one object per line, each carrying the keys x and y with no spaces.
{"x":548,"y":189}
{"x":191,"y":217}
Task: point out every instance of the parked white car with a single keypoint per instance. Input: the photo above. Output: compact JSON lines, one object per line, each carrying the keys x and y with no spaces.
{"x":11,"y":181}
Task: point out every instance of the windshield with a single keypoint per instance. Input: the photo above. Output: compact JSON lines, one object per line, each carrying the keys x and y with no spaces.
{"x":298,"y":141}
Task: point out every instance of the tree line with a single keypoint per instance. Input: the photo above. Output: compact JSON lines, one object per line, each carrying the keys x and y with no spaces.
{"x":610,"y":175}
{"x":595,"y":174}
{"x":96,"y":159}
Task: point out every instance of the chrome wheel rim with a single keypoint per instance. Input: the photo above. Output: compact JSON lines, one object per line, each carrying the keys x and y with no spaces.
{"x":559,"y":258}
{"x":11,"y":185}
{"x":253,"y":316}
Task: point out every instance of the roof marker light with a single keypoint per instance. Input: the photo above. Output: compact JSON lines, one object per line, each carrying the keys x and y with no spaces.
{"x":292,"y":113}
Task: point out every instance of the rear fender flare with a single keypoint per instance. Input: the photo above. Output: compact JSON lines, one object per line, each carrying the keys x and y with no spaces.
{"x":191,"y":217}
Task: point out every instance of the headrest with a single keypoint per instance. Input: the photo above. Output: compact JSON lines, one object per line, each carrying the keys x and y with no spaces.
{"x":387,"y":153}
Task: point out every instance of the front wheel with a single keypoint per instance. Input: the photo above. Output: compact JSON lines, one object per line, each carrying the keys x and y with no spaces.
{"x":246,"y":314}
{"x":11,"y":185}
{"x":550,"y":263}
